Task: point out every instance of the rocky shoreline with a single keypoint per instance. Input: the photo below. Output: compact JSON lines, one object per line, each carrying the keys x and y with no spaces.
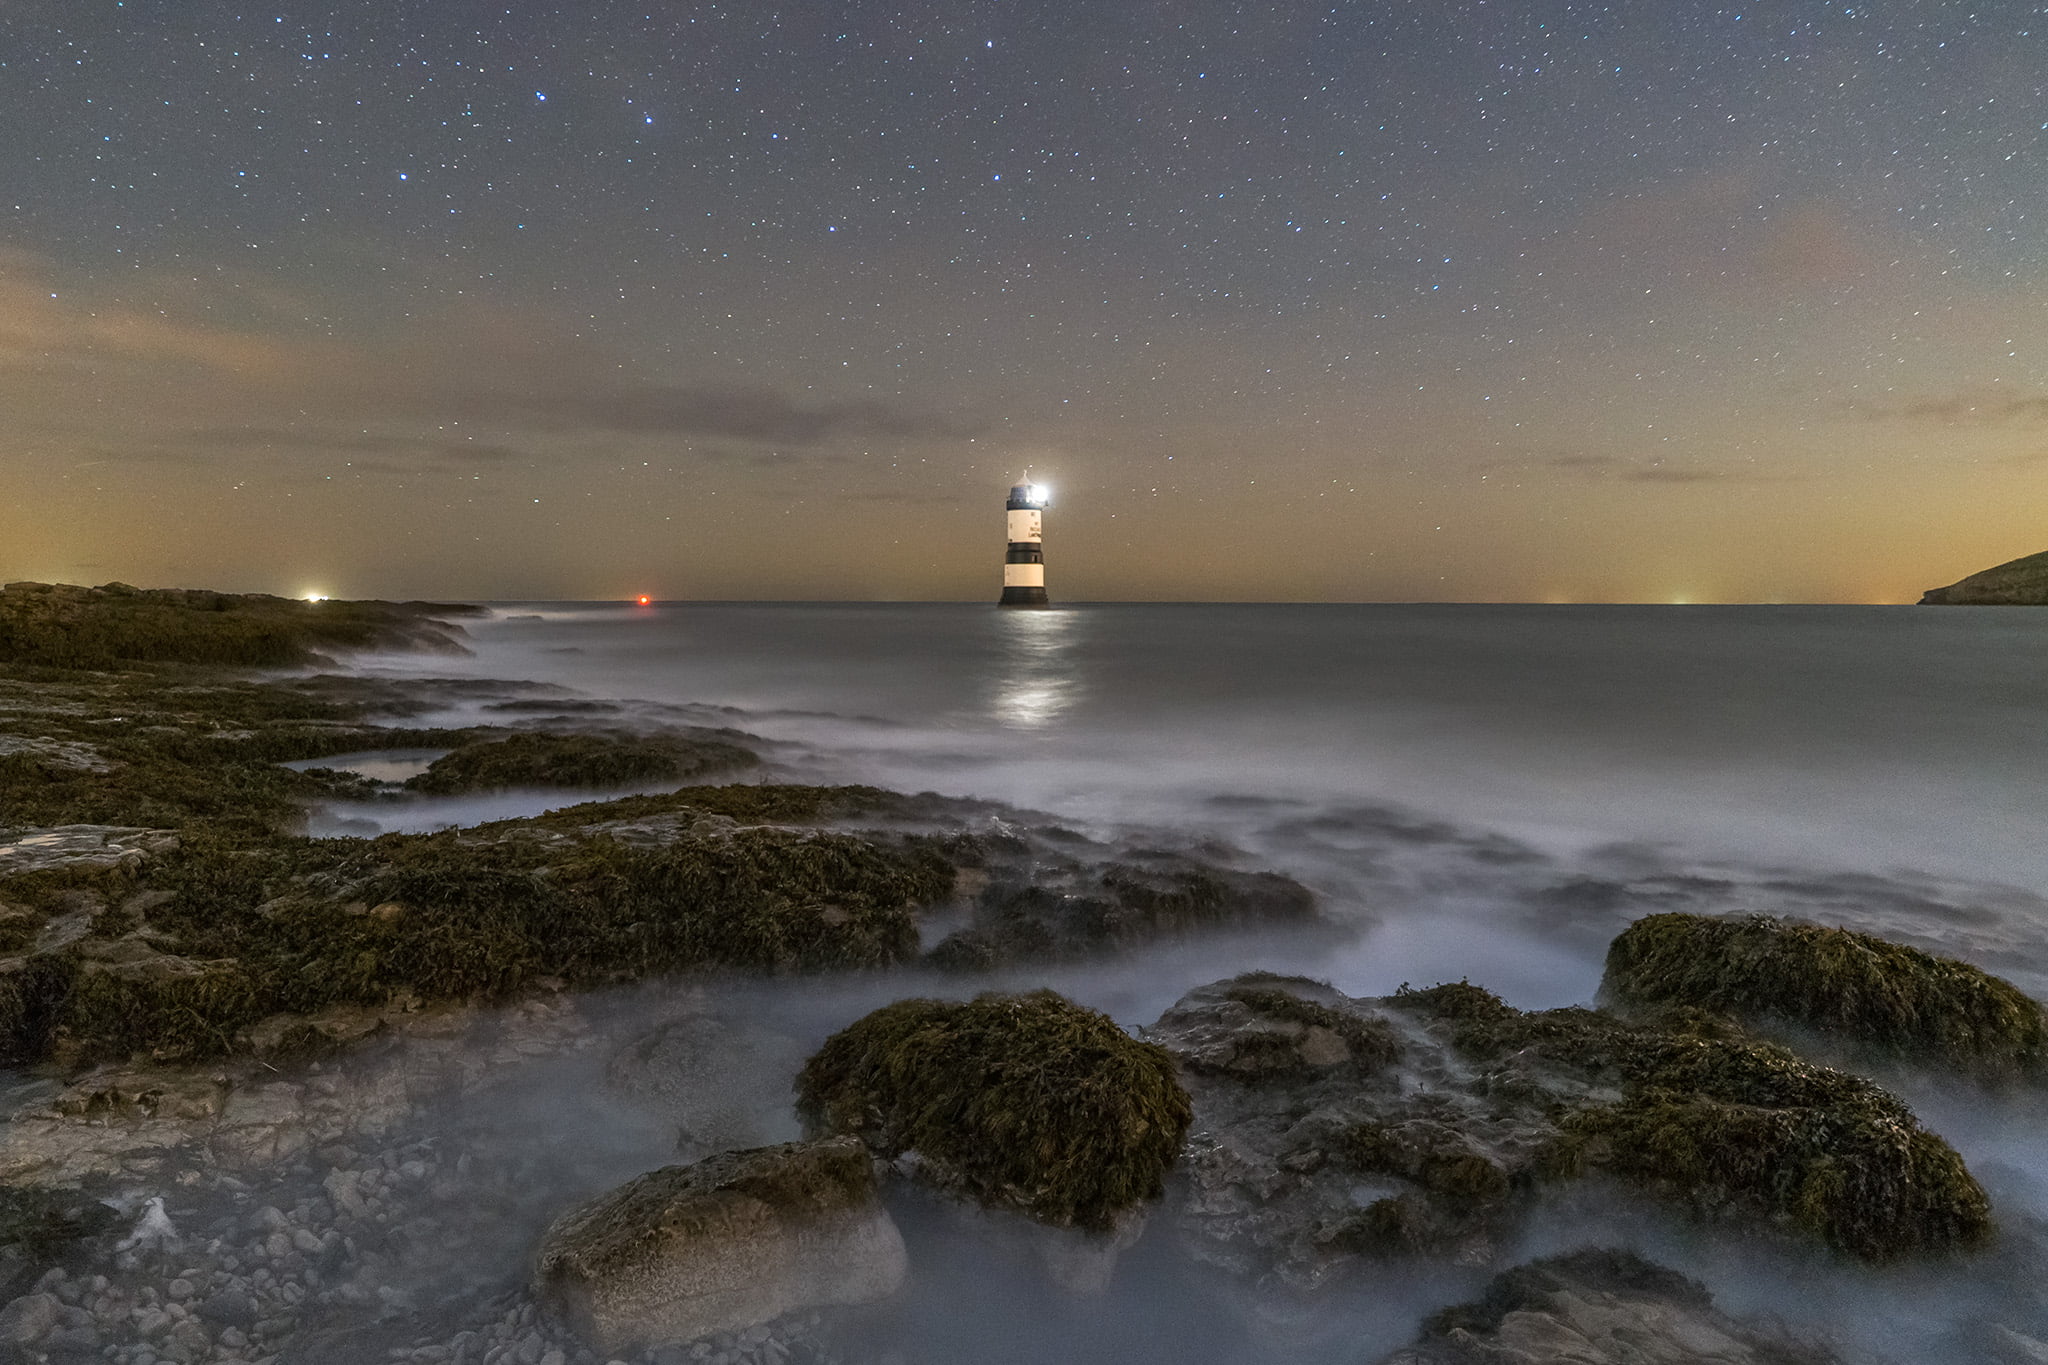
{"x":286,"y":1099}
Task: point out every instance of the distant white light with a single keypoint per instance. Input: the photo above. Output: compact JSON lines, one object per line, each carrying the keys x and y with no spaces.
{"x":316,"y":597}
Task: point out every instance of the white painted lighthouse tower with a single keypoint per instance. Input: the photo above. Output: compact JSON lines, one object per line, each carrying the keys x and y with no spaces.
{"x":1024,"y":562}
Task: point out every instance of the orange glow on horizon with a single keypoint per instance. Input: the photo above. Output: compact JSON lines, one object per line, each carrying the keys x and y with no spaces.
{"x":645,"y":599}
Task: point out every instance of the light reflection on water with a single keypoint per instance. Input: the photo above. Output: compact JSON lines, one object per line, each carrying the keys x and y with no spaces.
{"x":1036,"y":680}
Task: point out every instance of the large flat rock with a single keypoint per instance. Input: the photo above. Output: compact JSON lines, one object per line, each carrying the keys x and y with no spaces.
{"x":728,"y":1242}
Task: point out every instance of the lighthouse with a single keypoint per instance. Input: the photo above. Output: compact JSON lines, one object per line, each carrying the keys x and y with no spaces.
{"x":1024,"y":562}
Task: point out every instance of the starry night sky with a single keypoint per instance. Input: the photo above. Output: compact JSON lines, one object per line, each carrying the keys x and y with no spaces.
{"x":1515,"y":301}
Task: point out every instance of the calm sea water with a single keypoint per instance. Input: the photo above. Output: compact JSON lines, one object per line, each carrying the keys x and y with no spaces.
{"x":1478,"y":792}
{"x":1837,"y":738}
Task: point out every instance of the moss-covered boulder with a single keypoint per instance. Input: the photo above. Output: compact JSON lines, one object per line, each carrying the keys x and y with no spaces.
{"x":580,"y":760}
{"x":1022,"y":1102}
{"x":1875,"y":996}
{"x":731,"y":1241}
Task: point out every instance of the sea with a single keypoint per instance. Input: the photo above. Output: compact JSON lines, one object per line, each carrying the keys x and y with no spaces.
{"x":1473,"y":792}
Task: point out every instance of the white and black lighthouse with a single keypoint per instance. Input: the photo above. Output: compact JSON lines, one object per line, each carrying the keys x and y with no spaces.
{"x":1024,"y":562}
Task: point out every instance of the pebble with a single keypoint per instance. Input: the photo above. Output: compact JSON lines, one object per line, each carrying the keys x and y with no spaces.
{"x":28,"y":1317}
{"x":230,"y":1308}
{"x":83,"y":1337}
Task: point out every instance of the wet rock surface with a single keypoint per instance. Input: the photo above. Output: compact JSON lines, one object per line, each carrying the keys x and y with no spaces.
{"x":380,"y":1205}
{"x":723,"y":1245}
{"x":1601,"y":1308}
{"x":1330,"y":1130}
{"x":384,"y":1204}
{"x":80,"y":846}
{"x":1291,"y":1080}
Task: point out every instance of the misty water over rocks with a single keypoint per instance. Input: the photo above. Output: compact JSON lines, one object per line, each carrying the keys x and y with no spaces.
{"x":1473,"y":793}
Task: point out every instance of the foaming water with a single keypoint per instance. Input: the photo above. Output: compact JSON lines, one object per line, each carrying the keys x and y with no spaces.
{"x":1486,"y":793}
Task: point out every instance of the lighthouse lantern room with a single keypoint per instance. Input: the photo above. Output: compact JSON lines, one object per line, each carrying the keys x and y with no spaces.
{"x":1024,"y":562}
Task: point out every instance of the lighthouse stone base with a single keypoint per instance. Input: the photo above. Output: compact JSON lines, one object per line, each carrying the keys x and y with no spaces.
{"x":1024,"y":597}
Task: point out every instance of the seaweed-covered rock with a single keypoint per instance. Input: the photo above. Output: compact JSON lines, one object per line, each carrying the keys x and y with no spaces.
{"x":1877,"y":996}
{"x":1028,"y":891}
{"x":1087,"y":908}
{"x":731,"y":1241}
{"x":1597,"y":1307}
{"x":580,"y":760}
{"x":238,"y":931}
{"x":1022,"y":1102}
{"x":1431,"y":1130}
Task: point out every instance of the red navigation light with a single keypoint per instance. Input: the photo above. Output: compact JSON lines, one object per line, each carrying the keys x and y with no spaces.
{"x":645,"y":599}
